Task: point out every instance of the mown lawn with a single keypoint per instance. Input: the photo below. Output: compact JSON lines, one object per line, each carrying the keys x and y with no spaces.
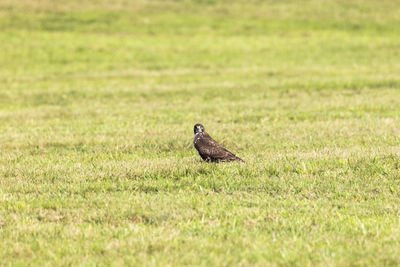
{"x":97,"y":105}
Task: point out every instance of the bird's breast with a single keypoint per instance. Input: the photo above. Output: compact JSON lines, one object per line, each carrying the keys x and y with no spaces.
{"x":197,"y":138}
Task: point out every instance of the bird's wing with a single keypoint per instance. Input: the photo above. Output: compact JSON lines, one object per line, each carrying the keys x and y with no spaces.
{"x":210,"y":148}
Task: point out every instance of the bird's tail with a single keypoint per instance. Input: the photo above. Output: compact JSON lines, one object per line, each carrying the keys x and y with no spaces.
{"x":239,"y":159}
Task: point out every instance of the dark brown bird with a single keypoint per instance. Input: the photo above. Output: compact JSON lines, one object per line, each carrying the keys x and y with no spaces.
{"x":209,"y":149}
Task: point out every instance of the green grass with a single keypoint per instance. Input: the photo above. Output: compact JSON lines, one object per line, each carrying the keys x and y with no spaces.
{"x":97,"y":105}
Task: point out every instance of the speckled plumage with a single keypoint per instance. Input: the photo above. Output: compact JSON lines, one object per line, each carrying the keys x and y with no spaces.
{"x":209,"y":149}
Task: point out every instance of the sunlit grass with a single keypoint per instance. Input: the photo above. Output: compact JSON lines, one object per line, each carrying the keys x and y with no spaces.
{"x":97,"y":105}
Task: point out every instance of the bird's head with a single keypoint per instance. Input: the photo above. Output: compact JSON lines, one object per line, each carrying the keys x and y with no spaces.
{"x":198,"y":128}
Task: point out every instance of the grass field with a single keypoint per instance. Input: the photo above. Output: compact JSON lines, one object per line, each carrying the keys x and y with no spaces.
{"x":97,"y":105}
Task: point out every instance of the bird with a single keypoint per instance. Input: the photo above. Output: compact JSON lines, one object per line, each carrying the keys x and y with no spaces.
{"x":209,"y":149}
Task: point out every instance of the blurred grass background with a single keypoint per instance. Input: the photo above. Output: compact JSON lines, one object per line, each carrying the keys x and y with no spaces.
{"x":97,"y":105}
